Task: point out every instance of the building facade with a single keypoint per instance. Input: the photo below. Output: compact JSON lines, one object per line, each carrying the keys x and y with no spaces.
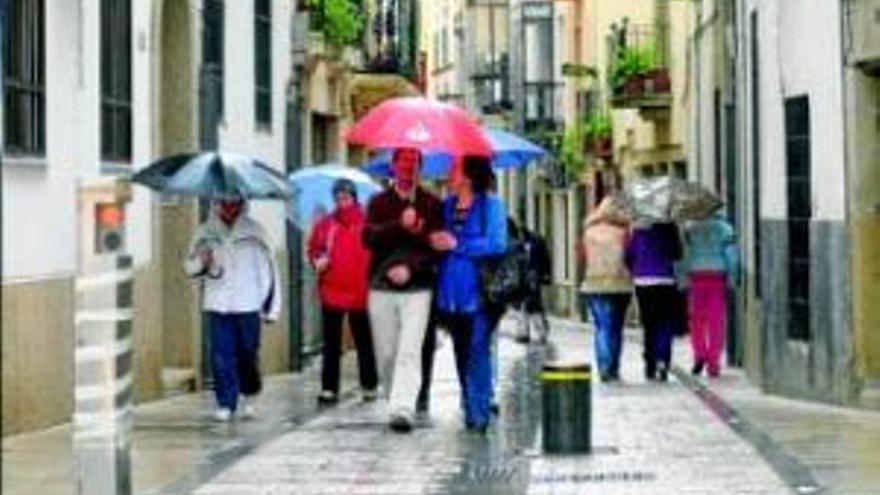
{"x":786,"y":129}
{"x":101,"y":88}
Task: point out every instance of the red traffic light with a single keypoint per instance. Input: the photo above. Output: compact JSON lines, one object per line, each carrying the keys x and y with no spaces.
{"x":110,"y":215}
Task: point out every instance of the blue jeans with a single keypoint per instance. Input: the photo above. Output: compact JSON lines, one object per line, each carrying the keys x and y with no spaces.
{"x":472,"y":341}
{"x":609,"y":314}
{"x":235,"y":348}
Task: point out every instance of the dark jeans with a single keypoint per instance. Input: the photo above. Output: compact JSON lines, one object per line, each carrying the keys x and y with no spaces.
{"x":235,"y":350}
{"x":609,"y":314}
{"x":429,"y":347}
{"x":472,"y":340}
{"x":363,"y":341}
{"x":657,"y":307}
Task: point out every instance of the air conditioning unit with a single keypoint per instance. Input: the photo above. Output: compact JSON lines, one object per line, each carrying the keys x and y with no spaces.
{"x":865,"y":22}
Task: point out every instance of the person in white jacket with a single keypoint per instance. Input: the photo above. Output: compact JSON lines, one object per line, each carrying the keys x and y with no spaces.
{"x":232,"y":257}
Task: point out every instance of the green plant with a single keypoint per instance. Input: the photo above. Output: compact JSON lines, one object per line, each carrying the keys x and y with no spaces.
{"x":598,"y":126}
{"x":571,"y":152}
{"x":342,"y":22}
{"x":629,"y":62}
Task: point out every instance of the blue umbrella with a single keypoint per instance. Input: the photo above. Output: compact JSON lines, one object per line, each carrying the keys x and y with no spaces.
{"x":313,"y":190}
{"x":509,"y":151}
{"x":214,"y":175}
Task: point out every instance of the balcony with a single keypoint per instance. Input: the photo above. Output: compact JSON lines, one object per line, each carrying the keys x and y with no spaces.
{"x":638,"y":75}
{"x":543,"y":105}
{"x":492,"y":86}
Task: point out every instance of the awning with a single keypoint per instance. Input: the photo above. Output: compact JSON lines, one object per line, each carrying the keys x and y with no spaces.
{"x":368,"y":90}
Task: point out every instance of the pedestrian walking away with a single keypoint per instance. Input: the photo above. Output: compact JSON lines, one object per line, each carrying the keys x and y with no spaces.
{"x":652,"y":253}
{"x":232,"y":257}
{"x":403,"y":274}
{"x":337,"y":252}
{"x":475,"y":230}
{"x":607,"y":283}
{"x":711,"y":263}
{"x":536,"y":273}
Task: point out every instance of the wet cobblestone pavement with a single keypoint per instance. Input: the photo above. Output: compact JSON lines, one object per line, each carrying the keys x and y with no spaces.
{"x":684,"y":437}
{"x":648,"y":438}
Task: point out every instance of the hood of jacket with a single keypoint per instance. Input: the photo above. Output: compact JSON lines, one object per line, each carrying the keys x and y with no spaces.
{"x":609,"y":211}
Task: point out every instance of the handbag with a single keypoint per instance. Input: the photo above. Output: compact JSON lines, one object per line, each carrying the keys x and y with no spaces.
{"x":500,"y":275}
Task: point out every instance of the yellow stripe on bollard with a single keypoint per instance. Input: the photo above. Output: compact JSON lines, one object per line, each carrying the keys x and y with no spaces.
{"x":556,"y":376}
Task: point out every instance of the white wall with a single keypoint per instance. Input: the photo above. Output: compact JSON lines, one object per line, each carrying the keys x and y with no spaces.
{"x":39,"y":202}
{"x":39,"y":196}
{"x":239,"y":131}
{"x":801,"y":54}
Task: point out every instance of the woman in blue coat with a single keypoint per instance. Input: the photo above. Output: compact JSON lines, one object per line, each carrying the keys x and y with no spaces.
{"x":475,"y":223}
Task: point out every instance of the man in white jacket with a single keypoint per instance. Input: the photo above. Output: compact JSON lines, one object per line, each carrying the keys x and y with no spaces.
{"x":232,"y":257}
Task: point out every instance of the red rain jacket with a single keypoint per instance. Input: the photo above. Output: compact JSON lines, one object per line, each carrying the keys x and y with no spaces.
{"x":339,"y":235}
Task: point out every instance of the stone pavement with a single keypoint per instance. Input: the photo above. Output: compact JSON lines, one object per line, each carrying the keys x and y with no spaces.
{"x":681,"y":437}
{"x":649,"y":439}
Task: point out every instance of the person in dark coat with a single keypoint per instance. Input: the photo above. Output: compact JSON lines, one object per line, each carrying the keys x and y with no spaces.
{"x":403,"y":274}
{"x":652,"y":254}
{"x":536,"y":273}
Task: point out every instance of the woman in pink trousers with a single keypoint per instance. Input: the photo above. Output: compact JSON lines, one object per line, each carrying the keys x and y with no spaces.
{"x":712,"y":266}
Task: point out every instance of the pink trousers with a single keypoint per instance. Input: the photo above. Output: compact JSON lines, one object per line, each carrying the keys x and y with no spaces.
{"x":708,"y":317}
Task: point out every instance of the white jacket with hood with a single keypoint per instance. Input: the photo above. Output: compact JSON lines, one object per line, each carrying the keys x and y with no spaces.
{"x":243,"y":277}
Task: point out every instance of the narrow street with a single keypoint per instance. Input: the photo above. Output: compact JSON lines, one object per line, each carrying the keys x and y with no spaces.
{"x":648,"y":439}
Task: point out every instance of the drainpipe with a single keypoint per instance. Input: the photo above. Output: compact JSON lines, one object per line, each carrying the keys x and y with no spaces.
{"x":853,"y":381}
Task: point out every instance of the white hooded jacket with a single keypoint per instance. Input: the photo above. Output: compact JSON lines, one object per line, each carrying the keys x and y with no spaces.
{"x":243,"y":277}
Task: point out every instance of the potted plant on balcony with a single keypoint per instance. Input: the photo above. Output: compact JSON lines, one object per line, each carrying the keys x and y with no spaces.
{"x":627,"y":71}
{"x":598,"y":135}
{"x":341,"y":21}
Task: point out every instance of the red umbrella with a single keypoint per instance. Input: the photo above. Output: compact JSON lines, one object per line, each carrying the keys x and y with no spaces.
{"x":427,"y":125}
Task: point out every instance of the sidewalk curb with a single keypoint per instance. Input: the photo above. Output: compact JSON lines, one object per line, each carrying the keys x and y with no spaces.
{"x":795,"y":474}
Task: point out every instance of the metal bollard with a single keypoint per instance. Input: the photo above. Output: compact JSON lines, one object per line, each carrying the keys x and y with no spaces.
{"x":103,"y":340}
{"x":567,"y":408}
{"x":103,"y":377}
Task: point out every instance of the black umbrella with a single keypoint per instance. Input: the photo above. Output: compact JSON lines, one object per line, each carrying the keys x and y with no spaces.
{"x":214,"y":175}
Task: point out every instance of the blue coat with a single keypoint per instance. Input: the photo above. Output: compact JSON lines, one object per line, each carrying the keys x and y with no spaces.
{"x":483,"y":233}
{"x":711,"y":246}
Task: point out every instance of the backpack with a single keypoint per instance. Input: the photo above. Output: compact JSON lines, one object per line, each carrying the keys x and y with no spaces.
{"x":501,"y":275}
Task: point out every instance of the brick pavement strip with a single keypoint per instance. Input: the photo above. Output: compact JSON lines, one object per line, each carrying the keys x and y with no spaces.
{"x":649,"y":438}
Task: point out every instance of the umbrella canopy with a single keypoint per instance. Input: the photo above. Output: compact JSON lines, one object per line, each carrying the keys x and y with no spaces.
{"x":508,"y":151}
{"x":668,"y":199}
{"x":512,"y":151}
{"x":313,"y":190}
{"x":214,"y":175}
{"x":427,"y":125}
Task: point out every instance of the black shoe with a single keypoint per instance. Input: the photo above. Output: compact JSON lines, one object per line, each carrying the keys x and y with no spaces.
{"x":662,"y":373}
{"x":651,"y":372}
{"x":697,"y":370}
{"x":605,"y":377}
{"x":327,"y":398}
{"x":523,"y":339}
{"x":494,"y":409}
{"x":400,"y":424}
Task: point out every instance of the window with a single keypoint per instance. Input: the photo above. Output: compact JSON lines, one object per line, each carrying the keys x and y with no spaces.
{"x":24,"y":76}
{"x":680,"y":170}
{"x":213,"y":53}
{"x":798,"y":172}
{"x":116,"y":80}
{"x":263,"y":61}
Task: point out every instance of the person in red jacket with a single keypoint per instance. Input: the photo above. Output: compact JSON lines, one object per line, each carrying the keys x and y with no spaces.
{"x":342,"y":262}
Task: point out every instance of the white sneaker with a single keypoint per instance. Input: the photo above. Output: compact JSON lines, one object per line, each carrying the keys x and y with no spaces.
{"x":248,"y":407}
{"x":222,"y":415}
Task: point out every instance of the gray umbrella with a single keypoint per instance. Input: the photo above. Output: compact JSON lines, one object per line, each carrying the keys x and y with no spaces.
{"x":666,"y":199}
{"x":214,"y":175}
